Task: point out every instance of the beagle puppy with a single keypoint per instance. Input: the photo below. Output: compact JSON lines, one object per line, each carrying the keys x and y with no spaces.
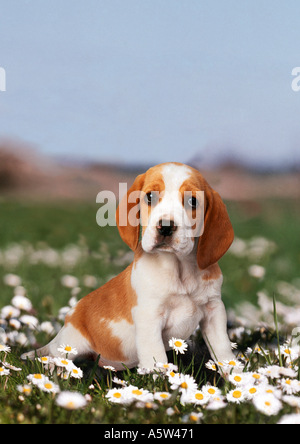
{"x":179,"y":229}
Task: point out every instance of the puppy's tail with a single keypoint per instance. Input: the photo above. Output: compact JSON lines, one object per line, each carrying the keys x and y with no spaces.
{"x":43,"y":351}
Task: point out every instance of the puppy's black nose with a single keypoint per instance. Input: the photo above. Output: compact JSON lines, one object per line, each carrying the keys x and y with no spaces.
{"x":166,"y":227}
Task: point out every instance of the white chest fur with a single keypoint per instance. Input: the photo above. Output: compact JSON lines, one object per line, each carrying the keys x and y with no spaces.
{"x":171,"y":295}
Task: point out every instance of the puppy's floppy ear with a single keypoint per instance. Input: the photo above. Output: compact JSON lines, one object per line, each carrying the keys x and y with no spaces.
{"x":218,"y":232}
{"x":127,"y":222}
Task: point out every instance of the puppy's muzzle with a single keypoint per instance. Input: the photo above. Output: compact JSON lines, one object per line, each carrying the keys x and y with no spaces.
{"x":166,"y":227}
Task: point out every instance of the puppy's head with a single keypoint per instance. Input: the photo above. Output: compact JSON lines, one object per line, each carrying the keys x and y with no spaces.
{"x":175,"y":209}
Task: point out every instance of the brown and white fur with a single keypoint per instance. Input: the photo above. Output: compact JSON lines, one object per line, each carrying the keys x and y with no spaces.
{"x":172,"y":285}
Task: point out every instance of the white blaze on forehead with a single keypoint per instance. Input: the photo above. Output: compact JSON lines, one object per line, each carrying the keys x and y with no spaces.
{"x":174,"y":176}
{"x":170,"y":207}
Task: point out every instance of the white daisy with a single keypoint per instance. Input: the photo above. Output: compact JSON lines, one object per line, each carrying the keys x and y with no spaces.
{"x":21,"y":302}
{"x":199,"y":398}
{"x":64,"y":362}
{"x":293,"y":418}
{"x":15,"y":323}
{"x":76,"y":373}
{"x":211,"y":365}
{"x":5,"y":348}
{"x":47,"y":327}
{"x":192,"y":417}
{"x":270,"y":390}
{"x":216,"y":404}
{"x":167,"y":366}
{"x":48,"y":386}
{"x":30,"y":321}
{"x":179,"y":345}
{"x":118,"y":396}
{"x":256,"y":377}
{"x":140,"y":394}
{"x":162,"y":396}
{"x":25,"y":389}
{"x":119,"y":381}
{"x":287,"y":351}
{"x":36,"y":378}
{"x":234,"y":364}
{"x":211,"y":391}
{"x":290,"y":386}
{"x":69,"y":281}
{"x":267,"y":404}
{"x":10,"y":312}
{"x":172,"y":376}
{"x":257,"y":271}
{"x":12,"y":280}
{"x":251,"y":390}
{"x":67,"y":350}
{"x":271,"y":371}
{"x":238,"y":378}
{"x":289,"y":372}
{"x":4,"y":371}
{"x":11,"y":367}
{"x":45,"y":360}
{"x":261,"y":351}
{"x":237,"y":395}
{"x":71,"y":400}
{"x":109,"y":367}
{"x":184,"y":382}
{"x":293,"y":401}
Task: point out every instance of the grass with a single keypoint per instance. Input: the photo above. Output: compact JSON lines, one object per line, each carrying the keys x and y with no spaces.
{"x":42,"y":242}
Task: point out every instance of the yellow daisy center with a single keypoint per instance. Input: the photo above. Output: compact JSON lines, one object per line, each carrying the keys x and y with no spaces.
{"x":48,"y":385}
{"x":237,"y":394}
{"x":178,"y":344}
{"x":184,"y":385}
{"x":117,"y":395}
{"x":252,"y":390}
{"x":267,"y":403}
{"x":287,"y":351}
{"x":232,"y":363}
{"x":193,"y":417}
{"x":211,"y":391}
{"x":237,"y":378}
{"x":64,"y":362}
{"x":71,"y":405}
{"x":137,"y":392}
{"x":199,"y":396}
{"x":38,"y":376}
{"x":163,"y":395}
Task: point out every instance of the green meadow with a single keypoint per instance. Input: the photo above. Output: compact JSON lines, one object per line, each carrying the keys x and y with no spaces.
{"x":41,"y":243}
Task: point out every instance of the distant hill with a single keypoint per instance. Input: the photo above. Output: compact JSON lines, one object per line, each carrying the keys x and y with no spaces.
{"x":24,"y":172}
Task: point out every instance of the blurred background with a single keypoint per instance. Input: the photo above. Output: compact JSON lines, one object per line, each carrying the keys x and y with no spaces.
{"x":98,"y":91}
{"x":135,"y":83}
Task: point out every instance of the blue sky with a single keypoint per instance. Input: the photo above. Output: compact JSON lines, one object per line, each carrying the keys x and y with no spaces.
{"x":150,"y":81}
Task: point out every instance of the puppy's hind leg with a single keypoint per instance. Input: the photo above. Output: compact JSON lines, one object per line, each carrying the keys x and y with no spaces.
{"x":68,"y":335}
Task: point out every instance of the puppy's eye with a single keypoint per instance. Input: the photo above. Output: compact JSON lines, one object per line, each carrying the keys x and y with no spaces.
{"x":151,"y":198}
{"x":193,"y":202}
